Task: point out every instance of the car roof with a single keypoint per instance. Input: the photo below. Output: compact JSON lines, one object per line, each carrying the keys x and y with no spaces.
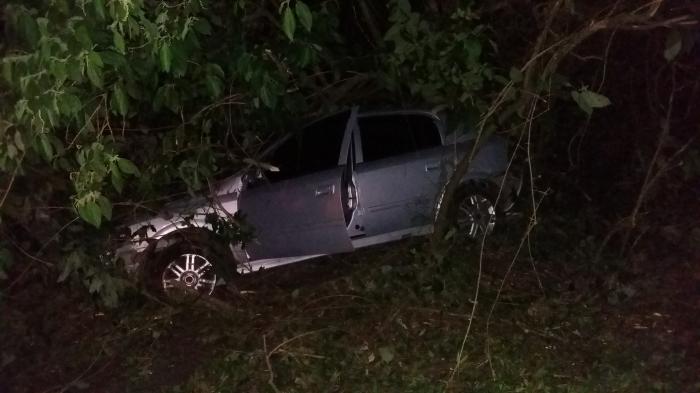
{"x":360,"y":114}
{"x":398,"y":112}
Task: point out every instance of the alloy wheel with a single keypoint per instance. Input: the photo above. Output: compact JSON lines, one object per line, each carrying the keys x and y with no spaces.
{"x":476,"y":216}
{"x":190,"y":272}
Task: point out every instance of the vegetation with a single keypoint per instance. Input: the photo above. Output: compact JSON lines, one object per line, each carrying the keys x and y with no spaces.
{"x":110,"y":108}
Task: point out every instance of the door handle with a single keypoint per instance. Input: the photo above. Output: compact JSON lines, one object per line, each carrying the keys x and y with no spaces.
{"x":324,"y":190}
{"x":432,"y":166}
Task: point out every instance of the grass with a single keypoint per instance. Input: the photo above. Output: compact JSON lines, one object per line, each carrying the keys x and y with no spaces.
{"x":390,"y":319}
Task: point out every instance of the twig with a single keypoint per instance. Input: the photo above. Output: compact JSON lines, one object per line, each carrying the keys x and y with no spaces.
{"x":79,"y":377}
{"x":28,"y":255}
{"x":285,"y":342}
{"x":278,"y":348}
{"x":18,"y":279}
{"x":646,"y":185}
{"x":12,"y":181}
{"x":472,"y":314}
{"x":531,"y":225}
{"x":72,"y":142}
{"x":271,"y":379}
{"x":55,"y":235}
{"x":534,"y":268}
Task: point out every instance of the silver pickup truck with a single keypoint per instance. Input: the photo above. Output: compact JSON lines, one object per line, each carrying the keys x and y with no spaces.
{"x":347,"y":181}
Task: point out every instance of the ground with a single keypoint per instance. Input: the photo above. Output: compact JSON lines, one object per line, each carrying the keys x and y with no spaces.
{"x":388,"y":319}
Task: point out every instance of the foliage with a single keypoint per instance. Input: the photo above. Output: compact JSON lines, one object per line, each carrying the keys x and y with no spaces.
{"x":442,"y":60}
{"x":81,"y":73}
{"x":588,"y":100}
{"x":406,"y":323}
{"x":125,"y":101}
{"x":97,"y":276}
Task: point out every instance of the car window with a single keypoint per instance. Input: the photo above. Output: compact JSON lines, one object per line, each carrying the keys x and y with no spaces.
{"x":315,"y":148}
{"x":392,"y":135}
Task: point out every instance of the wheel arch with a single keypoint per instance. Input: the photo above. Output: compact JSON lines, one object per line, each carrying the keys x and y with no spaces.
{"x":199,"y":236}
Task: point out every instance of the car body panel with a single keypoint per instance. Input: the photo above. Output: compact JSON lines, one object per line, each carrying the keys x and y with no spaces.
{"x":296,"y":217}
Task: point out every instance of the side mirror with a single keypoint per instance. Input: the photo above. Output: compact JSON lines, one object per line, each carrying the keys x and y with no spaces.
{"x":253,"y":175}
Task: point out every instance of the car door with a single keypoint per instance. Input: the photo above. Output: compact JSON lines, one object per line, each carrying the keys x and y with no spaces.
{"x":300,"y":209}
{"x":399,"y":173}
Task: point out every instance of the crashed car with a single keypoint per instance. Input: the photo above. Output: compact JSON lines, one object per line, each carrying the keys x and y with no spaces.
{"x":350,"y":180}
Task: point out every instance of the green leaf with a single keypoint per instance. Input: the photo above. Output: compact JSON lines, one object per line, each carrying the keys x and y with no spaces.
{"x":387,"y":354}
{"x":46,"y":147}
{"x":68,"y":104}
{"x":95,"y":59}
{"x":11,"y":150}
{"x":674,"y":44}
{"x":581,"y":102}
{"x":266,"y":97}
{"x":304,"y":14}
{"x":7,"y":70}
{"x":94,"y":70}
{"x":19,"y":142}
{"x":57,"y":144}
{"x":121,"y":100}
{"x":113,"y":58}
{"x":82,"y":35}
{"x":95,"y":286}
{"x":30,"y":29}
{"x":99,"y":9}
{"x":215,"y":69}
{"x":594,"y":99}
{"x":117,"y":179}
{"x":105,"y":207}
{"x":122,"y":10}
{"x":162,"y":18}
{"x":58,"y":70}
{"x":91,"y":213}
{"x":128,"y":167}
{"x":588,"y":100}
{"x":202,"y":26}
{"x":21,"y":108}
{"x":473,"y":47}
{"x":67,"y":270}
{"x":165,"y":57}
{"x":76,"y":69}
{"x":289,"y":23}
{"x":119,"y":42}
{"x":214,"y":86}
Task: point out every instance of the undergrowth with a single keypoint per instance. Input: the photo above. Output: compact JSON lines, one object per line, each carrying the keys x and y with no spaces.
{"x":387,"y":319}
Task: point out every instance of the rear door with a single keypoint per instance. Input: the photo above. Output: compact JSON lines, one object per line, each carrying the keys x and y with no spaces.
{"x":399,"y":174}
{"x":300,"y":209}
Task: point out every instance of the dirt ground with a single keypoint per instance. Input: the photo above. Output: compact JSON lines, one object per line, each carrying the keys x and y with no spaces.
{"x":55,"y":341}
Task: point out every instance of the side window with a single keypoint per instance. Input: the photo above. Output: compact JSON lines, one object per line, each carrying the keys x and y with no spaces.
{"x":321,"y":142}
{"x":313,"y":149}
{"x":392,"y":135}
{"x":286,"y":159}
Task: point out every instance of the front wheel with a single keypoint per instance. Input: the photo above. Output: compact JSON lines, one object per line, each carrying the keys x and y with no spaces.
{"x":191,"y":266}
{"x":189,"y":272}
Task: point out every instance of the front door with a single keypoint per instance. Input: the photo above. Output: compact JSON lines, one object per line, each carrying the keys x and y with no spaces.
{"x":300,"y":209}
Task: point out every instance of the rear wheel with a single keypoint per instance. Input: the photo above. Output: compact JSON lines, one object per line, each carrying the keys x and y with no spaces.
{"x":475,"y":212}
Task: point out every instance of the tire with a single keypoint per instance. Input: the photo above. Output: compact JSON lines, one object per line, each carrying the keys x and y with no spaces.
{"x":190,"y":266}
{"x":474,"y":211}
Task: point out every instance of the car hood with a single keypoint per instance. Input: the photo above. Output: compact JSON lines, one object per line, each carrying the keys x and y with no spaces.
{"x":225,"y":194}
